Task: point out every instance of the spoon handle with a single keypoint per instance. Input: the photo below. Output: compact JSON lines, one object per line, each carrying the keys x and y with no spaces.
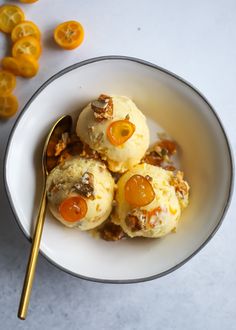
{"x":33,"y":257}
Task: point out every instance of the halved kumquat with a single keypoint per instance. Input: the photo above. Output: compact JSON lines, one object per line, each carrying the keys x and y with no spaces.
{"x":139,"y":191}
{"x":7,"y":82}
{"x":11,"y":64}
{"x":27,"y":46}
{"x":73,"y":208}
{"x":24,"y":65}
{"x":28,"y":66}
{"x":118,"y":132}
{"x":69,"y":35}
{"x":10,"y":16}
{"x":25,"y":29}
{"x":8,"y":105}
{"x":28,"y":1}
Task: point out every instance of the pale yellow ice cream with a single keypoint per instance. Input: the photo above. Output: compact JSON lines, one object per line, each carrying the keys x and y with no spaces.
{"x":162,"y":215}
{"x":67,"y":180}
{"x":94,"y":133}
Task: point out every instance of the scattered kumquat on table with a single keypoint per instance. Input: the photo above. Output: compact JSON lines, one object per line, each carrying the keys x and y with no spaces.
{"x":26,"y":50}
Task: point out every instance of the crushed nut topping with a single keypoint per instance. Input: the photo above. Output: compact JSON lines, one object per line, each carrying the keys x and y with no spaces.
{"x":62,"y":143}
{"x":111,"y":232}
{"x":136,"y":219}
{"x":102,"y":107}
{"x":89,"y":153}
{"x":181,"y":186}
{"x":160,"y":153}
{"x":85,"y":186}
{"x":153,"y":158}
{"x":170,"y":168}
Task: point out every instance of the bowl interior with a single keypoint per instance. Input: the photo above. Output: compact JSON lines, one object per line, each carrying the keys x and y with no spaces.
{"x":166,"y":101}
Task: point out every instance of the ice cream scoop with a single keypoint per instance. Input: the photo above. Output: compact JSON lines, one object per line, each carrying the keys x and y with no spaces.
{"x":148,"y":201}
{"x":80,"y":192}
{"x":117,"y":129}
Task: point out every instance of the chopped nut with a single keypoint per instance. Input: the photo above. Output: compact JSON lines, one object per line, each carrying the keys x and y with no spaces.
{"x":127,"y":117}
{"x":153,"y":158}
{"x":136,"y":219}
{"x":85,"y":186}
{"x":111,"y":232}
{"x":160,"y":153}
{"x":181,"y":186}
{"x":61,"y":144}
{"x":169,"y":168}
{"x":87,"y":152}
{"x":65,"y":155}
{"x":101,"y":104}
{"x":102,"y":107}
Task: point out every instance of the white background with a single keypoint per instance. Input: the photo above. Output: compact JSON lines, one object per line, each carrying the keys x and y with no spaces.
{"x":196,"y":40}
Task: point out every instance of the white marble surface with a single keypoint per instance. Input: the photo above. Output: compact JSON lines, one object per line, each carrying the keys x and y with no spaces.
{"x":197,"y":40}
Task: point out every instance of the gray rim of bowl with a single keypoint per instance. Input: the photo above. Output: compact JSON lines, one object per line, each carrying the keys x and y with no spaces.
{"x":145,"y":63}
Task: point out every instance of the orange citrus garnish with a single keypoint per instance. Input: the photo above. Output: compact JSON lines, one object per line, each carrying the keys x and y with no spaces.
{"x":28,"y":66}
{"x":69,"y":35}
{"x":139,"y":191}
{"x":7,"y":82}
{"x":28,"y":46}
{"x":8,"y":105}
{"x":24,"y":65}
{"x":73,"y":208}
{"x":11,"y":64}
{"x":28,"y":1}
{"x":25,"y":29}
{"x":118,"y":132}
{"x":10,"y":16}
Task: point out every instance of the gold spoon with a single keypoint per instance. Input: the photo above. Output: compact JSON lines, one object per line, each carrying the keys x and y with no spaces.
{"x":62,"y":125}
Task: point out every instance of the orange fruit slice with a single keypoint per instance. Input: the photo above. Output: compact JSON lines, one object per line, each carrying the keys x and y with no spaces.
{"x":27,"y":46}
{"x":118,"y":132}
{"x":25,"y":29}
{"x":10,"y":16}
{"x":73,"y":208}
{"x":7,"y":82}
{"x":11,"y":64}
{"x":138,"y":191}
{"x":69,"y":35}
{"x":28,"y":66}
{"x":24,"y":65}
{"x":8,"y":105}
{"x":28,"y":1}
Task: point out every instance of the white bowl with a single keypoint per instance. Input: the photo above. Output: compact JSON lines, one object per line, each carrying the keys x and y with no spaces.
{"x":165,"y":99}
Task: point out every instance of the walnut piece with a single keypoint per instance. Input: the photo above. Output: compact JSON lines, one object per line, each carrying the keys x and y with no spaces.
{"x":111,"y":232}
{"x":181,"y":186}
{"x":136,"y":219}
{"x":62,"y":144}
{"x":85,"y":186}
{"x":102,"y":108}
{"x":160,"y":153}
